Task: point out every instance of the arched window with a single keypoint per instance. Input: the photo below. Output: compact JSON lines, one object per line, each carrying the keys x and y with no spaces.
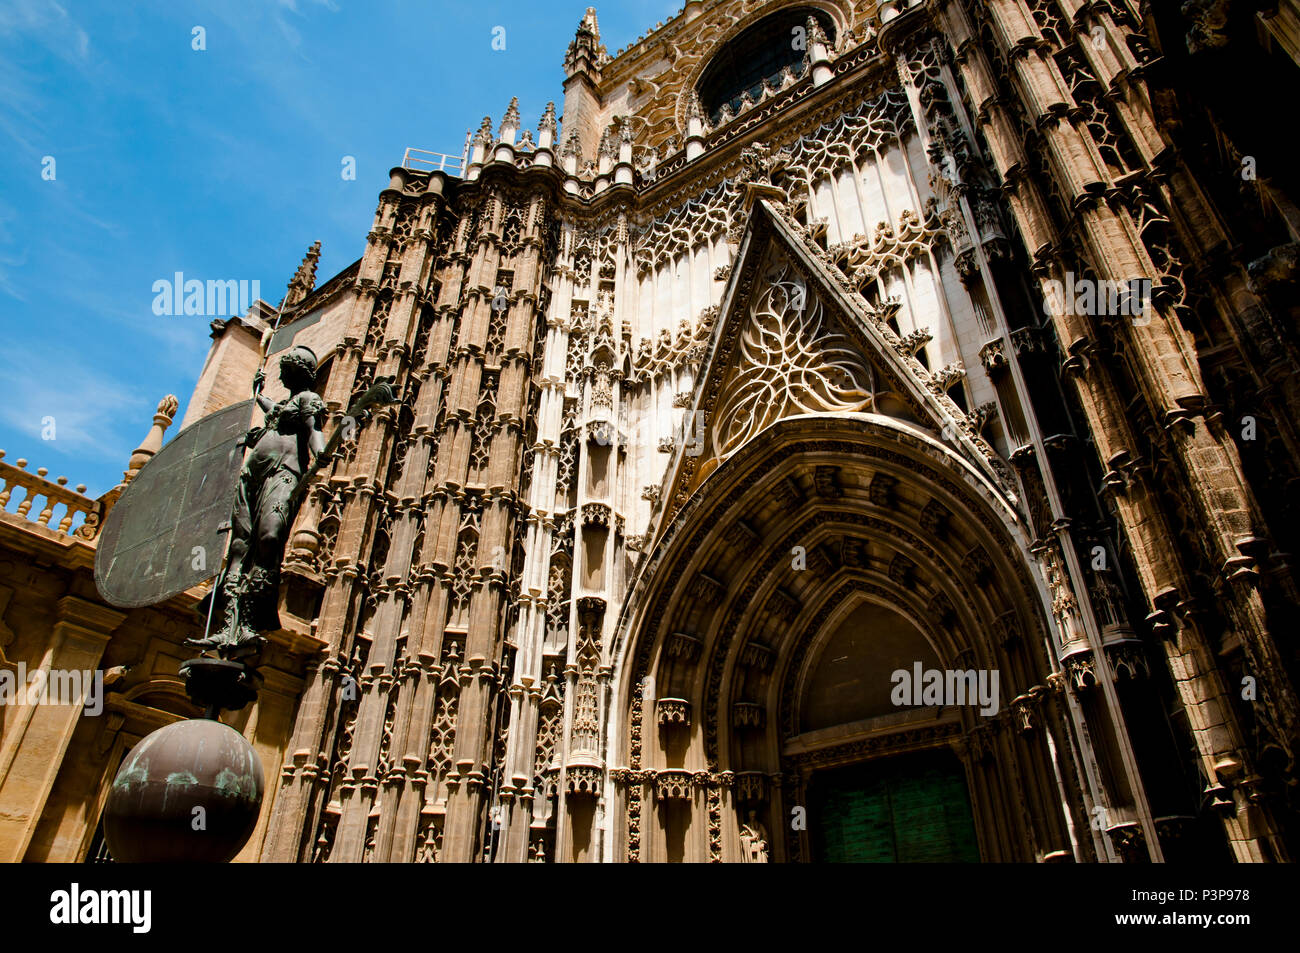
{"x":757,"y":54}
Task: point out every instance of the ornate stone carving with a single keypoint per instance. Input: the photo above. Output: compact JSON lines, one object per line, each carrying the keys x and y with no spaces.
{"x":683,"y":646}
{"x":747,"y":714}
{"x":756,"y":655}
{"x":672,"y":785}
{"x":706,"y":589}
{"x":790,"y":362}
{"x":934,"y":518}
{"x":881,"y":489}
{"x":673,"y":711}
{"x":826,"y":482}
{"x":583,"y":780}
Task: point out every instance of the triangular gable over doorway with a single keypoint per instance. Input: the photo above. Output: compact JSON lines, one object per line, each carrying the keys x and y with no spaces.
{"x":793,"y":338}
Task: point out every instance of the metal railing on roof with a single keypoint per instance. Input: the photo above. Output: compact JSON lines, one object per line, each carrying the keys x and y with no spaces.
{"x":421,"y":160}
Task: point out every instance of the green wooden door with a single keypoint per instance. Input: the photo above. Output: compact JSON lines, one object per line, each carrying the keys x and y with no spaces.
{"x":906,"y":809}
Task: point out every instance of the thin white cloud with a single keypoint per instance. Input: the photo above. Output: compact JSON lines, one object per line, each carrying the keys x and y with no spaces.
{"x":84,"y":404}
{"x":48,"y":23}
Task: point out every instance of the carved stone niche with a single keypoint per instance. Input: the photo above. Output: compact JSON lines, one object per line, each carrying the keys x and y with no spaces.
{"x":672,"y":712}
{"x":881,"y":489}
{"x":757,"y":655}
{"x":751,"y":787}
{"x":976,"y":565}
{"x":826,"y":481}
{"x":740,"y":535}
{"x":993,"y":356}
{"x":819,"y":564}
{"x":787,"y":494}
{"x":1128,"y":660}
{"x":934,"y":519}
{"x":591,"y":612}
{"x":980,"y":741}
{"x":1129,"y":841}
{"x":943,"y":609}
{"x":747,"y":715}
{"x":1081,"y":670}
{"x":1028,"y":341}
{"x":706,"y":589}
{"x":1007,"y":630}
{"x":853,"y":553}
{"x":783,"y":605}
{"x":902,"y":570}
{"x":684,"y":646}
{"x":595,"y":514}
{"x":584,"y":780}
{"x":1025,"y":708}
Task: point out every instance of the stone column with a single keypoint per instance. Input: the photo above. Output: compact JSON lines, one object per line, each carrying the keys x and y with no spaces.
{"x":39,"y":733}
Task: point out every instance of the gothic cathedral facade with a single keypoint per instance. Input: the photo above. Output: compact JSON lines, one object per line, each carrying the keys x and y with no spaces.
{"x":814,"y":348}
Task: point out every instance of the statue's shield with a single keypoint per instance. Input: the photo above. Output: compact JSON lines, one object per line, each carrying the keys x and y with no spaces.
{"x":167,"y":532}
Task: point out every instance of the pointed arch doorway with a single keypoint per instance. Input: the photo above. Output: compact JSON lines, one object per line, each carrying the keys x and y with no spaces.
{"x":909,"y":807}
{"x":756,"y":662}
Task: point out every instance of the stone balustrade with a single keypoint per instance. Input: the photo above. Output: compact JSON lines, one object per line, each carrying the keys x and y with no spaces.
{"x":55,"y":497}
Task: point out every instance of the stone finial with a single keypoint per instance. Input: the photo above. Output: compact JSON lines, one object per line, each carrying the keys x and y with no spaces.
{"x":819,"y":54}
{"x":510,"y":122}
{"x":815,"y":32}
{"x":695,"y":126}
{"x":548,"y":123}
{"x":512,"y":112}
{"x":484,"y":135}
{"x":304,"y":279}
{"x":153,"y":440}
{"x":571,"y":153}
{"x":607,"y":148}
{"x":694,"y":108}
{"x":547,"y":130}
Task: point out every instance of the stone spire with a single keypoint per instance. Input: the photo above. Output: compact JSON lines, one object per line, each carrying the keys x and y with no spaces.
{"x":586,"y":53}
{"x":510,"y":122}
{"x":572,"y":150}
{"x":607,"y":152}
{"x":548,"y":127}
{"x":304,"y":279}
{"x":479,"y":147}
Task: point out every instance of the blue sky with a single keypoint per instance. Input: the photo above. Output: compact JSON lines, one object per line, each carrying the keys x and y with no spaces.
{"x":223,"y":163}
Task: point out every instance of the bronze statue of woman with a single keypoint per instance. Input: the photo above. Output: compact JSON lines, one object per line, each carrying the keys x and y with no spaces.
{"x":280,"y":454}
